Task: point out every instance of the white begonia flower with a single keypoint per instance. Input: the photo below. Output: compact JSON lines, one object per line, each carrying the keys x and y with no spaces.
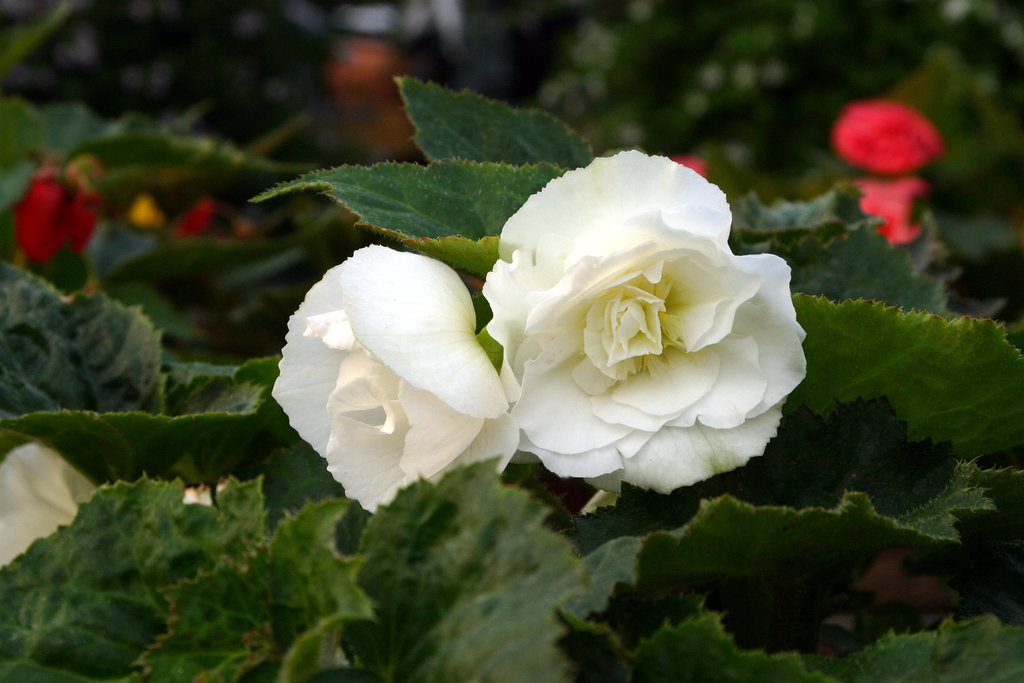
{"x":39,"y":491}
{"x":383,"y":375}
{"x":638,"y":347}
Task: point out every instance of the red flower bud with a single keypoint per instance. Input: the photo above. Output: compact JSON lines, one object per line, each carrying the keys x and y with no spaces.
{"x":48,"y":216}
{"x":885,"y":137}
{"x":35,"y":219}
{"x":79,"y":219}
{"x":196,"y":219}
{"x":893,"y":201}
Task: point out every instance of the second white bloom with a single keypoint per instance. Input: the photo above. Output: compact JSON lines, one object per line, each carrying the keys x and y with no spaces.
{"x":383,"y":375}
{"x":638,"y":347}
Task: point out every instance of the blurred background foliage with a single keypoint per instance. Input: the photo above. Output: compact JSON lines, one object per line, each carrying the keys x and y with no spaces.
{"x":170,"y":105}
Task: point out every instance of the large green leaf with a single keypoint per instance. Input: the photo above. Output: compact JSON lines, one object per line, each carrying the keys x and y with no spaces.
{"x":863,"y":265}
{"x":170,"y":150}
{"x":611,"y":564}
{"x":949,"y":380}
{"x":198,"y":445}
{"x":466,"y":580}
{"x":699,"y":650}
{"x":994,"y":583}
{"x":446,"y":198}
{"x":980,"y":650}
{"x":839,"y":208}
{"x":84,"y":603}
{"x":287,"y":600}
{"x":730,"y":538}
{"x":14,"y":182}
{"x":834,"y":250}
{"x":87,"y":354}
{"x":313,"y":589}
{"x":18,"y":41}
{"x":22,"y":131}
{"x":219,"y":626}
{"x":468,"y":126}
{"x":858,"y":447}
{"x":294,"y":477}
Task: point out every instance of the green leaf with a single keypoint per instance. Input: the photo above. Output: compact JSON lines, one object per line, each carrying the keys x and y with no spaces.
{"x":834,"y":250}
{"x":473,"y":256}
{"x":14,"y":182}
{"x":85,"y":602}
{"x":858,"y":447}
{"x":976,"y":237}
{"x":289,"y":598}
{"x":863,"y":265}
{"x":466,"y":580}
{"x":595,"y":651}
{"x":199,"y":446}
{"x":994,"y":584}
{"x":23,"y":131}
{"x":728,"y":538}
{"x":839,"y":208}
{"x":187,"y":259}
{"x":446,"y":198}
{"x":170,"y":150}
{"x":157,"y":307}
{"x":468,"y":126}
{"x":637,"y":512}
{"x":949,"y":380}
{"x":89,"y":354}
{"x":611,"y":564}
{"x":219,"y":626}
{"x":18,"y":41}
{"x":1005,"y":488}
{"x":981,"y":650}
{"x":71,"y":124}
{"x":294,"y":477}
{"x":314,"y":589}
{"x":700,"y":650}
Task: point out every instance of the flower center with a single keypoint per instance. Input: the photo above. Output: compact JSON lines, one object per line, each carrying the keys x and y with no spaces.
{"x":632,"y":328}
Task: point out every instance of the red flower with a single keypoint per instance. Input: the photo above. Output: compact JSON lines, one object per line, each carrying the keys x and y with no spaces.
{"x":48,"y":216}
{"x":893,"y":201}
{"x":196,"y":219}
{"x":693,"y":162}
{"x":885,"y":137}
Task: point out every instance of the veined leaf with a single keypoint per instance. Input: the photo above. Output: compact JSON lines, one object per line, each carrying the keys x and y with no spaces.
{"x":84,"y":603}
{"x":468,"y":126}
{"x":446,"y":198}
{"x":466,"y":580}
{"x":949,"y":380}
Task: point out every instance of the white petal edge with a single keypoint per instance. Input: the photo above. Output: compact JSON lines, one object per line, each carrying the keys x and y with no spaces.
{"x":39,"y":491}
{"x":607,"y":192}
{"x":308,"y":367}
{"x":415,"y":314}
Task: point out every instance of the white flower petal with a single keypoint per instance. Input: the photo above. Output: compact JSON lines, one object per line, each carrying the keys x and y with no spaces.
{"x":437,"y":433}
{"x":39,"y":491}
{"x":497,"y":440}
{"x":607,"y":193}
{"x":309,"y":368}
{"x":416,"y":316}
{"x":738,"y":388}
{"x":561,"y":421}
{"x":676,"y":457}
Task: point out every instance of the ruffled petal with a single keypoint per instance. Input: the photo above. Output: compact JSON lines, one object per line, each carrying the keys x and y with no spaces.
{"x":437,"y":434}
{"x":675,"y":457}
{"x":608,"y":192}
{"x":308,"y":367}
{"x":415,"y":314}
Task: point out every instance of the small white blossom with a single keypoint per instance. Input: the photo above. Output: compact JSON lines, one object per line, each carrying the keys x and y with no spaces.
{"x":383,"y":375}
